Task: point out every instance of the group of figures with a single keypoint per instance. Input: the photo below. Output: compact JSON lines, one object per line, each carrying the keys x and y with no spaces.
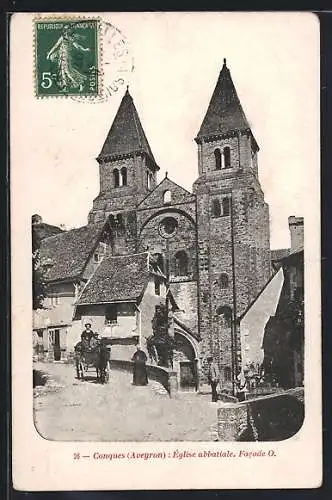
{"x":92,"y":351}
{"x":95,"y":351}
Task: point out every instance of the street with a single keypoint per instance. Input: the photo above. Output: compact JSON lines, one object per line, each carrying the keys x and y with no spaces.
{"x":67,"y":409}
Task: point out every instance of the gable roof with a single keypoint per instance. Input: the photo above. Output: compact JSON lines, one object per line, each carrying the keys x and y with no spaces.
{"x":155,"y":197}
{"x":126,"y":135}
{"x":68,"y":252}
{"x":225,"y":113}
{"x":117,"y":279}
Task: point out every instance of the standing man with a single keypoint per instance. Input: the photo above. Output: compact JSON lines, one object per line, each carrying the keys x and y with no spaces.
{"x":213,"y":378}
{"x":241,"y":383}
{"x":86,"y":335}
{"x":140,"y":375}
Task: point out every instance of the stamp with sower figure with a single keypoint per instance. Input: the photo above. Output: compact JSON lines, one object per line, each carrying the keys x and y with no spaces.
{"x":67,"y":57}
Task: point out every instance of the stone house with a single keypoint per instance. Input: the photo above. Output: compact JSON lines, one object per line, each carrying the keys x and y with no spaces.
{"x":122,"y":293}
{"x":212,"y":243}
{"x":284,"y":333}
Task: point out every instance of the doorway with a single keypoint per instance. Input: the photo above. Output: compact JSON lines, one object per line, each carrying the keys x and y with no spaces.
{"x":187,"y":376}
{"x":54,"y":343}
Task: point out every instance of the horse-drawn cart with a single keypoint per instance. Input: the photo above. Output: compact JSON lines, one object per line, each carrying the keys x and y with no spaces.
{"x":95,"y":357}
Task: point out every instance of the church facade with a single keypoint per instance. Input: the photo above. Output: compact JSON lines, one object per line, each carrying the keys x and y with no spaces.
{"x":212,"y":243}
{"x":215,"y":239}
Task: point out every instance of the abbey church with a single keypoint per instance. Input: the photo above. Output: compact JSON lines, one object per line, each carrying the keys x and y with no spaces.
{"x":210,"y":247}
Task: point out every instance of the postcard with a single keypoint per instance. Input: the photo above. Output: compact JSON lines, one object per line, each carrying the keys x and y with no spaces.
{"x":165,"y":207}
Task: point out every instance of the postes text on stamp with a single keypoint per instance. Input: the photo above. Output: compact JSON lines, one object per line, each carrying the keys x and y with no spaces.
{"x":67,"y":57}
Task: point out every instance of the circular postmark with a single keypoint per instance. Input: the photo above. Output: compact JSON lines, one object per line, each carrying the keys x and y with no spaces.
{"x":116,"y":64}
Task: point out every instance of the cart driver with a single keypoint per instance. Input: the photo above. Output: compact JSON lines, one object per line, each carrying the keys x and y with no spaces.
{"x":86,"y":335}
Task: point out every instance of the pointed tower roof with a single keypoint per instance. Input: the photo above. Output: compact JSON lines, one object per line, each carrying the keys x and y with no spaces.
{"x":225,"y":113}
{"x":126,"y":135}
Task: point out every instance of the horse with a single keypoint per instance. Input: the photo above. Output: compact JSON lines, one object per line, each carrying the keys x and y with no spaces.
{"x":96,"y":355}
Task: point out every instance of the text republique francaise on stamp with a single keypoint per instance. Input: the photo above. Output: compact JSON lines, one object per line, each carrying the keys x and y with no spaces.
{"x":67,"y":57}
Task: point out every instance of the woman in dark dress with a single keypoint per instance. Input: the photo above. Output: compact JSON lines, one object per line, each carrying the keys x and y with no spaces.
{"x":140,"y":376}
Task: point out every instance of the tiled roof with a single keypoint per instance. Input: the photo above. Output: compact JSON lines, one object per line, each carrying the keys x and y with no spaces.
{"x":225,"y":112}
{"x":117,"y":279}
{"x":126,"y":134}
{"x":279,"y":253}
{"x":68,"y":252}
{"x":41,"y":231}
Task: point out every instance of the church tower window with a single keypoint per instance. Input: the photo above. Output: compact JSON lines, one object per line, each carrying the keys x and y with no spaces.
{"x":167,"y":197}
{"x":223,"y":280}
{"x":225,"y":314}
{"x":116,"y":178}
{"x":216,"y":208}
{"x":149,"y":179}
{"x":181,"y":263}
{"x":218,"y":159}
{"x":123,"y":176}
{"x":227,"y":157}
{"x":226,"y":206}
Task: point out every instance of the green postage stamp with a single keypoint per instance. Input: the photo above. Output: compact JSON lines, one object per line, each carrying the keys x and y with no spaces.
{"x":67,"y":57}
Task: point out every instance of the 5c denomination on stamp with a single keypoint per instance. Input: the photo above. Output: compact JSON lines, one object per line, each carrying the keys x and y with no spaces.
{"x":67,"y":57}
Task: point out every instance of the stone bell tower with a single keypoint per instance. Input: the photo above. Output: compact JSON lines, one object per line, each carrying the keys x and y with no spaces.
{"x":233,"y":225}
{"x":127,"y":173}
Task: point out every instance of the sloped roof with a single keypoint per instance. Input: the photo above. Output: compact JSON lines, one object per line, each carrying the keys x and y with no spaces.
{"x":117,"y":279}
{"x":126,"y":134}
{"x":280,"y":253}
{"x":41,"y":231}
{"x":225,"y":112}
{"x":68,"y":252}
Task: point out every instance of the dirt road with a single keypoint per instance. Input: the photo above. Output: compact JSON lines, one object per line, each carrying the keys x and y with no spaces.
{"x":67,"y":409}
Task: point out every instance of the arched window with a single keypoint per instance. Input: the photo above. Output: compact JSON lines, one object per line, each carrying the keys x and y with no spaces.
{"x":226,"y":206}
{"x":223,"y":280}
{"x":119,"y":225}
{"x":149,"y":178}
{"x":216,"y":208}
{"x":217,"y":158}
{"x":227,"y":157}
{"x":116,"y":178}
{"x":167,"y":197}
{"x":225,"y":314}
{"x":181,"y":263}
{"x":123,"y":176}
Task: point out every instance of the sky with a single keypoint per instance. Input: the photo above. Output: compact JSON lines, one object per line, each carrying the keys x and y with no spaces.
{"x":274,"y":63}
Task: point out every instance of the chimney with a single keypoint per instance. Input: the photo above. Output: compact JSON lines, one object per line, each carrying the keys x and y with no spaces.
{"x":296,"y":228}
{"x":36,"y":219}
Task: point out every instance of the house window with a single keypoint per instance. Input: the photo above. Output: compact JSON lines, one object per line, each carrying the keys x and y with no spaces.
{"x":111,"y":313}
{"x":167,"y":197}
{"x":181,"y":263}
{"x":156,"y":285}
{"x":227,"y":157}
{"x":123,"y":176}
{"x":225,"y":314}
{"x":223,"y":280}
{"x":226,"y":206}
{"x":96,"y":257}
{"x":216,"y":208}
{"x":116,"y":178}
{"x":55,"y":300}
